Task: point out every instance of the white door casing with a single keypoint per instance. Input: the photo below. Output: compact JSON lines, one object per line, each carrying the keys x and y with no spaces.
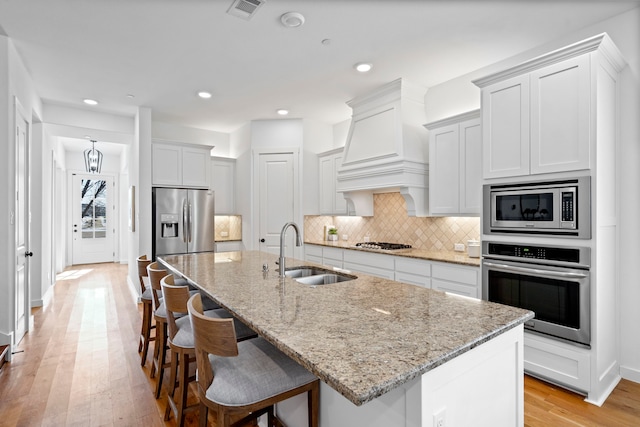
{"x":21,"y":220}
{"x":94,"y":219}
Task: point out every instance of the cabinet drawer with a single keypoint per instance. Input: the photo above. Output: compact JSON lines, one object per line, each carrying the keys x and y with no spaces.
{"x":313,"y":250}
{"x":557,"y":362}
{"x":367,"y":269}
{"x":332,"y":253}
{"x":413,"y":266}
{"x":370,"y":259}
{"x":413,"y":279}
{"x":313,"y":258}
{"x":460,"y":274}
{"x":455,"y":288}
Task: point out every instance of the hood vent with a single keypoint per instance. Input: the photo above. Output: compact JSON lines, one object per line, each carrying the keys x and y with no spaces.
{"x":244,"y":9}
{"x":386,"y":149}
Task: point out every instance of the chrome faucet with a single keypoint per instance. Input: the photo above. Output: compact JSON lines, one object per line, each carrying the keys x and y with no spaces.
{"x":281,"y":266}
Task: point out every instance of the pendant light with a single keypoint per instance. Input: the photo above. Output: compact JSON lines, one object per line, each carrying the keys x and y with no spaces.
{"x":93,"y":159}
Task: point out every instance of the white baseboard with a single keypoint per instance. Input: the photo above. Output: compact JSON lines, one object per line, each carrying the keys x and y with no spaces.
{"x":630,"y":374}
{"x":133,"y":289}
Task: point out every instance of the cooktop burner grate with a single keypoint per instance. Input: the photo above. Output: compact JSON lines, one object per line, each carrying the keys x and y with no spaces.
{"x":383,"y":246}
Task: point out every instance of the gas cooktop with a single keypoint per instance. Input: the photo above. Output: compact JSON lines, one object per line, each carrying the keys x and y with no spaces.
{"x":382,"y":246}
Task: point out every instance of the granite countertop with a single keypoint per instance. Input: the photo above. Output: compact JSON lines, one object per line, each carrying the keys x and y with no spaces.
{"x":363,"y":337}
{"x":443,"y":256}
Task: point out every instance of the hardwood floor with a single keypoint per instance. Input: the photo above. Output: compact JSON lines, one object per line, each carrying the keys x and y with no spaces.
{"x":79,"y":366}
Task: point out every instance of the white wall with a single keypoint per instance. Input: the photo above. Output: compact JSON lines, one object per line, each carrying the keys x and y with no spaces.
{"x":14,"y":82}
{"x":460,"y":95}
{"x":176,"y":133}
{"x":318,"y":137}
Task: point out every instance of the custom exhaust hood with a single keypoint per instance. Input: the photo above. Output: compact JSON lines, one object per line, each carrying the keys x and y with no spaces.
{"x":386,"y":149}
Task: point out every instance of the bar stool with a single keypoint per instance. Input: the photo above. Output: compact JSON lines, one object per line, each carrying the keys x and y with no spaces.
{"x":246,"y":378}
{"x":159,"y":364}
{"x":181,"y":344}
{"x":147,"y":308}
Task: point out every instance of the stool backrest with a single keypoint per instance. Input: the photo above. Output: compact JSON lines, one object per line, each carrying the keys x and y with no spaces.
{"x":212,"y":336}
{"x":156,"y":273}
{"x":143,"y":262}
{"x":175,"y":301}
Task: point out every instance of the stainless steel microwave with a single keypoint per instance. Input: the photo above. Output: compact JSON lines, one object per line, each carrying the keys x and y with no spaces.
{"x":561,"y":207}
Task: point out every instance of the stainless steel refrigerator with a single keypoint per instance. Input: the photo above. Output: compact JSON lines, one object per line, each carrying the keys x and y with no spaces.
{"x":183,"y":221}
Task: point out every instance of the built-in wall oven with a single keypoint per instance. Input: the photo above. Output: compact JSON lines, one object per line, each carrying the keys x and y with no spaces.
{"x":551,"y":281}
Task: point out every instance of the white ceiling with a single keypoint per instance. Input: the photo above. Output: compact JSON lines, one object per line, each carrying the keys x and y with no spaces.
{"x":164,"y":51}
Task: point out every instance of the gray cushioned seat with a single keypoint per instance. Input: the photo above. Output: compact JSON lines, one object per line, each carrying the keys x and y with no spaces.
{"x":258,"y":372}
{"x":184,"y":337}
{"x":147,"y":295}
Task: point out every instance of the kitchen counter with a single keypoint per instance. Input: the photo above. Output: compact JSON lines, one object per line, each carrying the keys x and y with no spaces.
{"x":363,"y":337}
{"x":443,"y":256}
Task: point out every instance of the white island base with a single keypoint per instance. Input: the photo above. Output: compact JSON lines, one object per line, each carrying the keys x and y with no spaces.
{"x":482,"y":387}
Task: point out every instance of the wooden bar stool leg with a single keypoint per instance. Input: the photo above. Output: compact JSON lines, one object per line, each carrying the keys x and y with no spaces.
{"x":161,"y":363}
{"x":172,"y":383}
{"x":145,"y":334}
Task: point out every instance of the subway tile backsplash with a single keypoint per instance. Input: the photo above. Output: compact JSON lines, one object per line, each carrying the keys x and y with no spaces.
{"x":390,"y":223}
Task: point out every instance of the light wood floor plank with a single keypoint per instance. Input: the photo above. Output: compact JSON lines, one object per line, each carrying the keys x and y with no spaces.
{"x":79,"y":366}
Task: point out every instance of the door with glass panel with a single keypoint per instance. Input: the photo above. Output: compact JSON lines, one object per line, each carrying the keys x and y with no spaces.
{"x":94,"y":226}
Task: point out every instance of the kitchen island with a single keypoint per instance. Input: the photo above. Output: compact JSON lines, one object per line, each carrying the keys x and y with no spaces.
{"x":387,"y":353}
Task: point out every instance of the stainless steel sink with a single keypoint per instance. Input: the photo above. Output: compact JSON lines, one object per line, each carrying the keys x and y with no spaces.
{"x":324,"y":279}
{"x":313,"y":276}
{"x":304,"y":271}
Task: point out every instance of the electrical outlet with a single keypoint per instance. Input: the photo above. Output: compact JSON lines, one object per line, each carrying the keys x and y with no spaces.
{"x":439,"y":418}
{"x":224,"y":233}
{"x":458,"y":247}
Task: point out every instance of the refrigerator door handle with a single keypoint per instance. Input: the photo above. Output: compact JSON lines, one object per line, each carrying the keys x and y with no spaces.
{"x":190,"y":223}
{"x":185,"y":221}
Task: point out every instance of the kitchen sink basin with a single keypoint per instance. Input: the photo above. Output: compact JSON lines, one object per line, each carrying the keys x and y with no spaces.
{"x":316,"y":275}
{"x":324,"y":279}
{"x":304,"y":271}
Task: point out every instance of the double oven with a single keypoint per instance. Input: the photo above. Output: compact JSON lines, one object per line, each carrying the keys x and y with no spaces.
{"x":523,"y":270}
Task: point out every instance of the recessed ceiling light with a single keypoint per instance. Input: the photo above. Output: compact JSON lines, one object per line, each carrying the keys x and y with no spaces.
{"x":282,"y":112}
{"x":292,"y":19}
{"x":89,"y":101}
{"x":204,"y":95}
{"x":363,"y":67}
{"x":130,"y":96}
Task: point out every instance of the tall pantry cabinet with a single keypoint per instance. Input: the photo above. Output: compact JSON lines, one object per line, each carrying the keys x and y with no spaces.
{"x":555,"y":116}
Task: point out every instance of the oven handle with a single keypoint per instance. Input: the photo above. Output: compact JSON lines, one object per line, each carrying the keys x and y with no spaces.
{"x":537,"y":271}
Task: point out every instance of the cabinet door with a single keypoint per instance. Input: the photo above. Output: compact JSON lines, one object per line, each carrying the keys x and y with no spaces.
{"x":166,"y":165}
{"x":195,"y":167}
{"x":327,"y":186}
{"x":444,"y":176}
{"x":470,"y":167}
{"x":505,"y":128}
{"x":340,"y":204}
{"x":223,"y":184}
{"x":560,"y":102}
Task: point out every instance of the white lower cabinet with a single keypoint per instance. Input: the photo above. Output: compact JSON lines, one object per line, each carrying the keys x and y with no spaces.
{"x":374,"y":264}
{"x":448,"y":277}
{"x":557,"y":362}
{"x":413,"y":271}
{"x":313,"y":253}
{"x":457,"y":279}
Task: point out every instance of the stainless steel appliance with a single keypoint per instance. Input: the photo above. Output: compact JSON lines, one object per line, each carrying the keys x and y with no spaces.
{"x":551,"y":281}
{"x":183,"y":221}
{"x":560,"y":207}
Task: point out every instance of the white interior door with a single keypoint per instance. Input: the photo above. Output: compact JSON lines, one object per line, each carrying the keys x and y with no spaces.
{"x":22,"y":215}
{"x":276,"y":200}
{"x":94,"y":220}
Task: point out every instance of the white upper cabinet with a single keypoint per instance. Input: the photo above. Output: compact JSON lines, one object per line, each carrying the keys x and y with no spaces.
{"x":223,"y":183}
{"x":542,"y":116}
{"x":332,"y":202}
{"x":560,"y":99}
{"x":455,"y":146}
{"x":180,"y":165}
{"x":505,"y":128}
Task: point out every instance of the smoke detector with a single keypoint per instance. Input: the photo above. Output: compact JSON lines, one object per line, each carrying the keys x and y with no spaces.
{"x":292,"y":19}
{"x":245,"y":9}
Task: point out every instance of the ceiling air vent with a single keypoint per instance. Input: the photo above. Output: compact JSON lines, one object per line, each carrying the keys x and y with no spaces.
{"x":245,"y":9}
